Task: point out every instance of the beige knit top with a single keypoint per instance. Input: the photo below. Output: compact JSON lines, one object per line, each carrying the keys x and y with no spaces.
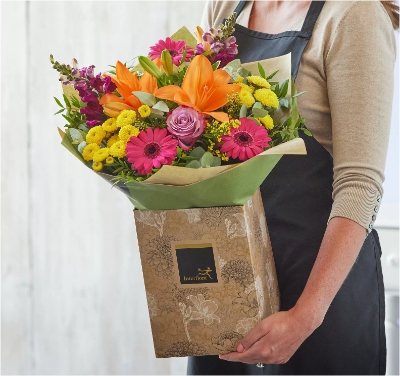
{"x":347,"y":71}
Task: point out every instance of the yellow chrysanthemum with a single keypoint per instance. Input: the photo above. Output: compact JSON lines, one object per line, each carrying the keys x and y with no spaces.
{"x":112,"y":140}
{"x":238,"y":80}
{"x":127,"y":132}
{"x":101,"y":155}
{"x":89,"y":151}
{"x":267,"y":121}
{"x":246,"y":98}
{"x":110,"y":160}
{"x":267,"y":97}
{"x":97,"y":166}
{"x":126,"y":117}
{"x":246,"y":87}
{"x":117,"y":150}
{"x":258,"y":81}
{"x":95,"y":135}
{"x":144,"y":111}
{"x":110,"y":125}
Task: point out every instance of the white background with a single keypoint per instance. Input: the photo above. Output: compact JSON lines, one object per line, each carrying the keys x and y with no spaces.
{"x":72,"y":290}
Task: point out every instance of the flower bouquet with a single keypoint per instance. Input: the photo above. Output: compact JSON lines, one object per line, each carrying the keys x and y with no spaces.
{"x":189,"y":134}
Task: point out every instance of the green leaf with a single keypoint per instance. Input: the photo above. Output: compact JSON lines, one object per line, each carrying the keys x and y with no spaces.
{"x":307,"y":132}
{"x":157,"y":112}
{"x":59,"y":111}
{"x":298,"y":94}
{"x":162,"y":106}
{"x":179,"y":153}
{"x":217,"y":162}
{"x":257,"y":105}
{"x":76,"y":135}
{"x":261,"y":70}
{"x":294,"y":109}
{"x":146,"y":98}
{"x":183,"y":56}
{"x":243,"y":111}
{"x":66,"y":100}
{"x":284,"y":88}
{"x":193,"y":164}
{"x":197,"y":152}
{"x":272,"y":75}
{"x":83,"y":127}
{"x":154,"y":115}
{"x":259,"y":112}
{"x":207,"y":160}
{"x":215,"y":65}
{"x":58,"y":102}
{"x":284,"y":102}
{"x":189,"y":158}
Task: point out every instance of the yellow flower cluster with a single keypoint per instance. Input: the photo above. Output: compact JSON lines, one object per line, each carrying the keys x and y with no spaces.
{"x":117,"y":150}
{"x":258,"y":81}
{"x":246,"y":98}
{"x":267,"y":121}
{"x":110,"y":125}
{"x":127,"y":131}
{"x":95,"y":135}
{"x":89,"y":150}
{"x":267,"y":97}
{"x":126,"y":117}
{"x":144,"y":111}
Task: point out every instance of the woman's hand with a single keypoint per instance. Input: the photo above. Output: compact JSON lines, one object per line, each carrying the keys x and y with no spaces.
{"x":273,"y":340}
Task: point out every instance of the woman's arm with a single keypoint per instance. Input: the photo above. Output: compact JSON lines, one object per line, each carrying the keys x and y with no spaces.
{"x":275,"y":339}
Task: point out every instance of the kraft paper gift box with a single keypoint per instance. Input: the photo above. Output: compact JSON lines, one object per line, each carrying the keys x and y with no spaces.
{"x":209,"y":276}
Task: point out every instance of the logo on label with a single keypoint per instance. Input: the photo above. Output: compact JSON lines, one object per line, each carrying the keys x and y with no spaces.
{"x":196,"y":263}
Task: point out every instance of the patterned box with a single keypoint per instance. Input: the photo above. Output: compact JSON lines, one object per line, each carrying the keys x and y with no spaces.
{"x":209,"y":276}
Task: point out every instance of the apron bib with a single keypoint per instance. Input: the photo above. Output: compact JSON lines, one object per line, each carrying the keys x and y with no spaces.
{"x":297,"y":198}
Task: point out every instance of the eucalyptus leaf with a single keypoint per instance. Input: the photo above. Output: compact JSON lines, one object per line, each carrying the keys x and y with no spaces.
{"x":154,"y":115}
{"x":243,"y":111}
{"x":257,"y":105}
{"x":157,"y":112}
{"x":193,"y":164}
{"x":259,"y":112}
{"x":207,"y":160}
{"x":284,"y":102}
{"x":83,"y":127}
{"x":146,"y":98}
{"x":217,"y":162}
{"x":197,"y":152}
{"x":162,"y":106}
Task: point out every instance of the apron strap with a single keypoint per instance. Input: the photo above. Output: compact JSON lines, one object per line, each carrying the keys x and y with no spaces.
{"x":312,"y":16}
{"x":239,"y":8}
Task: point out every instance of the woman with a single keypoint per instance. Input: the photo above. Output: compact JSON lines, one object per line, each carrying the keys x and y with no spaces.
{"x":321,"y":208}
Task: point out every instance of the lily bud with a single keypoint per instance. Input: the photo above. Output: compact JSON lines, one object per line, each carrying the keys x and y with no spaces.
{"x":113,"y":109}
{"x":166,"y":60}
{"x":149,"y":66}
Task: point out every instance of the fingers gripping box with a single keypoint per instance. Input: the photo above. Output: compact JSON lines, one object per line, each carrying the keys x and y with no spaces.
{"x":209,"y":276}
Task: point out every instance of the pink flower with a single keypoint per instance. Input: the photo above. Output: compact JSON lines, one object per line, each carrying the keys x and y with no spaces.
{"x":246,"y":141}
{"x":187,"y":125}
{"x":151,"y":149}
{"x":175,"y":48}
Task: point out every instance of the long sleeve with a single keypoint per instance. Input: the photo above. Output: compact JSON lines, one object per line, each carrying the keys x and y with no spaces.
{"x":359,"y":74}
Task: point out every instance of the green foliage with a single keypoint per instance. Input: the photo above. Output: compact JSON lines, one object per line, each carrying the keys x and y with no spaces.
{"x":199,"y":158}
{"x":71,"y":112}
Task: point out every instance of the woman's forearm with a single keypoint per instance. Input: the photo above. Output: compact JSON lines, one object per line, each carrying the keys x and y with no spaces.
{"x":339,"y":249}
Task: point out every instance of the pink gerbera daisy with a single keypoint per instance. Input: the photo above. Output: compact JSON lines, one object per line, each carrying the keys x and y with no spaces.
{"x":151,"y":149}
{"x":246,"y":141}
{"x":175,"y":48}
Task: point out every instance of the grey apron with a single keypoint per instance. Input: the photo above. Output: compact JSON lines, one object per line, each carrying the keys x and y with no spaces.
{"x":297,"y":198}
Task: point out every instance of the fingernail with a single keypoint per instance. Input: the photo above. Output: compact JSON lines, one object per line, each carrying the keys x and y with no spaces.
{"x":240,"y":348}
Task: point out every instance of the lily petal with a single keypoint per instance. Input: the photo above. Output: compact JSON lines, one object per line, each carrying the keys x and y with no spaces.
{"x":220,"y":116}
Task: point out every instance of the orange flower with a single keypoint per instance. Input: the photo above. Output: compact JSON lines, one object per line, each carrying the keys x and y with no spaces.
{"x":126,"y":82}
{"x":199,"y":35}
{"x":203,"y":89}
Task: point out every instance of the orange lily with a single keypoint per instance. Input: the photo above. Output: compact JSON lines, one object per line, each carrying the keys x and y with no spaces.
{"x":126,"y":82}
{"x":203,"y":89}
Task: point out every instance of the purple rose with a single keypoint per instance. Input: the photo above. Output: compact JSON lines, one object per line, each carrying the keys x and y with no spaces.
{"x":186,"y":125}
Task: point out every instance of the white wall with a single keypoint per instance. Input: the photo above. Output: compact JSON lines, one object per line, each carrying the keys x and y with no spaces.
{"x":72,"y":290}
